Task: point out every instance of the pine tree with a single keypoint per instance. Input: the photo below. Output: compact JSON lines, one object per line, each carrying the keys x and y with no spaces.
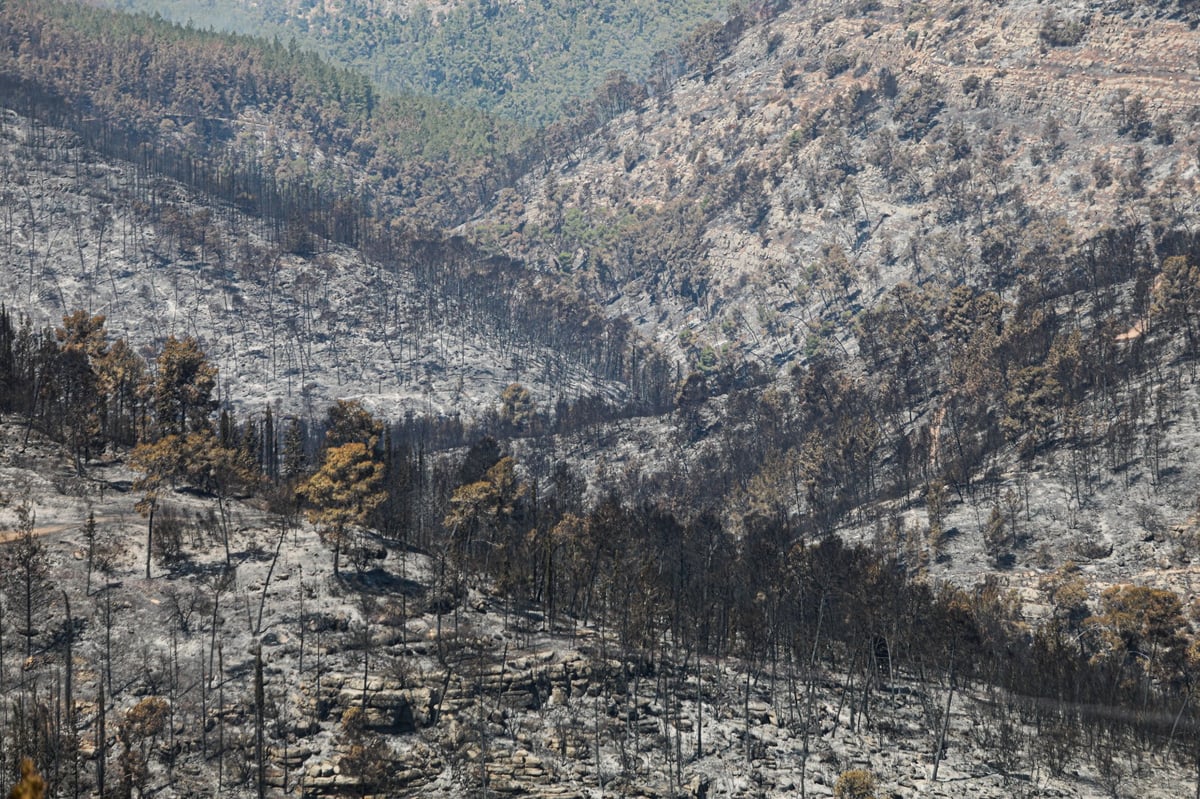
{"x":160,"y":463}
{"x":25,"y":574}
{"x":183,"y":402}
{"x":82,"y":346}
{"x":343,"y":492}
{"x":183,"y":387}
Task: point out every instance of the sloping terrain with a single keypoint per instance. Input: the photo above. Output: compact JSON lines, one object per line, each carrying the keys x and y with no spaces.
{"x":394,"y":679}
{"x":845,"y":147}
{"x":855,"y":194}
{"x":924,"y":501}
{"x":847,"y":198}
{"x":251,"y":158}
{"x":286,"y":330}
{"x":257,"y":123}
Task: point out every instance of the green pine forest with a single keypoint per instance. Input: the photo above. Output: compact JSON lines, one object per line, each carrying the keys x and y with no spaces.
{"x":525,"y":62}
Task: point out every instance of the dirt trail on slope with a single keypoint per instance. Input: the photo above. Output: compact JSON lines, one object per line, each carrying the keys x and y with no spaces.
{"x":50,"y":529}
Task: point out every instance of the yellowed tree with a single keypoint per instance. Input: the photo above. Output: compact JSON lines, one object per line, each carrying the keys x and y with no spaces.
{"x":567,"y":559}
{"x":197,"y":459}
{"x":159,"y":463}
{"x":31,"y":786}
{"x":122,"y":376}
{"x":139,"y":735}
{"x":1031,"y":407}
{"x":220,"y":470}
{"x":856,"y":783}
{"x":1141,"y":629}
{"x":81,"y":346}
{"x":516,"y":406}
{"x":1175,"y":299}
{"x":84,"y":332}
{"x":348,"y":421}
{"x":343,"y":492}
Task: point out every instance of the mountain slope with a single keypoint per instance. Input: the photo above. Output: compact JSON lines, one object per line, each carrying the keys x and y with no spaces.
{"x":952,"y":323}
{"x":839,"y":151}
{"x":398,"y":678}
{"x":290,"y":211}
{"x":274,"y":128}
{"x":420,"y":332}
{"x":960,"y":240}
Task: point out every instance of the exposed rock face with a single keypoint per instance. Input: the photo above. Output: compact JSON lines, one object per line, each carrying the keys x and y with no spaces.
{"x":525,"y":683}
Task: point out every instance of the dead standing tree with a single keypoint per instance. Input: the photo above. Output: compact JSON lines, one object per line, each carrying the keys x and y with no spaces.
{"x":25,"y":576}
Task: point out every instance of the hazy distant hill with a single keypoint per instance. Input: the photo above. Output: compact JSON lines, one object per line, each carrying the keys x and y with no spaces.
{"x":524,"y":61}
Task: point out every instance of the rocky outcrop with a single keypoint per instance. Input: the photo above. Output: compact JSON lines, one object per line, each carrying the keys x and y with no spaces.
{"x":456,"y":706}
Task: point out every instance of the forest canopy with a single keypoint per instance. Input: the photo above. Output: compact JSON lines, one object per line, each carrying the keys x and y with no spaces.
{"x":131,"y":81}
{"x":523,"y":61}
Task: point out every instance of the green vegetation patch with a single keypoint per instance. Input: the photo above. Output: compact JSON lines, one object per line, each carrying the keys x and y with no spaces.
{"x":521,"y":61}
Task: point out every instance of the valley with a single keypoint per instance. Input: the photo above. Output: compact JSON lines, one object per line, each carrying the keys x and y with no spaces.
{"x":812,"y":411}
